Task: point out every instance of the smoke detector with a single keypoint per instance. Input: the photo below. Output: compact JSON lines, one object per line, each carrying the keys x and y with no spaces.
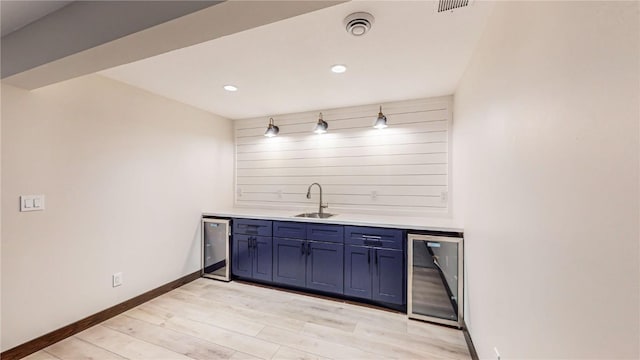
{"x":359,"y":23}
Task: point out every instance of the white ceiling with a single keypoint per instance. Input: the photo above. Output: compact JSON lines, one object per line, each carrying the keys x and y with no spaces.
{"x":16,"y":14}
{"x":284,"y":67}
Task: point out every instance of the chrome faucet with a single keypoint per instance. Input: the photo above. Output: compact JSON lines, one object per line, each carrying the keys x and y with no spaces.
{"x":321,"y":205}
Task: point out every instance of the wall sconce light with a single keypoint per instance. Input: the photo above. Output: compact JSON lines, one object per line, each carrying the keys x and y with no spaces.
{"x":321,"y":126}
{"x":272,"y":130}
{"x":381,"y":121}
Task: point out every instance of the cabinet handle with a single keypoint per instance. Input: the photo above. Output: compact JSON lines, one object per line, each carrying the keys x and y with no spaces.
{"x":371,"y":237}
{"x":302,"y":249}
{"x":308,"y":249}
{"x":369,"y":256}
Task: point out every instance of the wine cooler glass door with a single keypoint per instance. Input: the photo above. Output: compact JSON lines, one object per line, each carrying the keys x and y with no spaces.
{"x":215,"y":249}
{"x":435,"y":279}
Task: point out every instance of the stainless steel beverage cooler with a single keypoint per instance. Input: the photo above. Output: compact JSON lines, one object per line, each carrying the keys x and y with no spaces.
{"x":215,"y":249}
{"x":435,"y":279}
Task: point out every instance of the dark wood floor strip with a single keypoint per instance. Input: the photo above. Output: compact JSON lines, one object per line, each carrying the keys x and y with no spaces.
{"x":467,"y":338}
{"x":53,"y":337}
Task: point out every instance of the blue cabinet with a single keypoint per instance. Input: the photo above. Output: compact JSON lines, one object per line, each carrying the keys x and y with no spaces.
{"x":289,"y":229}
{"x":374,"y":237}
{"x":252,"y":254}
{"x":289,"y":261}
{"x":241,"y":255}
{"x":252,"y":227}
{"x":388,"y":279}
{"x":374,"y":264}
{"x":356,"y":261}
{"x":325,"y":266}
{"x":300,"y":262}
{"x":357,"y":277}
{"x":325,"y":233}
{"x":262,"y":258}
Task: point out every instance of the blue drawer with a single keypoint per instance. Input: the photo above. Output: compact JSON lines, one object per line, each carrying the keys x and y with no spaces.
{"x":324,"y":232}
{"x":375,"y":237}
{"x":252,"y":227}
{"x":288,"y":229}
{"x":245,"y":237}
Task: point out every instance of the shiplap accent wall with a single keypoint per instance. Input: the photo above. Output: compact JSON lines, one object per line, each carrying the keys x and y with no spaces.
{"x":403,"y":169}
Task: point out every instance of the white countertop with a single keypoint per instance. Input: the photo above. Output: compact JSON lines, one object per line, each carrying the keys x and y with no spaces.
{"x":388,"y":221}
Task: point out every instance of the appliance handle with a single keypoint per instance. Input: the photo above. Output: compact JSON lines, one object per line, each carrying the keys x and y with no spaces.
{"x":435,"y":262}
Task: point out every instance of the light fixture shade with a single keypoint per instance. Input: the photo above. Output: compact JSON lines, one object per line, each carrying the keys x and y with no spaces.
{"x":381,"y":121}
{"x":272,"y":130}
{"x":321,"y":126}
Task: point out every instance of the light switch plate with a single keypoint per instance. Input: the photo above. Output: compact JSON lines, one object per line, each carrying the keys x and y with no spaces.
{"x":31,"y":202}
{"x":116,"y":279}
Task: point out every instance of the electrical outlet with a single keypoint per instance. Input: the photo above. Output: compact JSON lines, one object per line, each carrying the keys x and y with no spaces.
{"x":31,"y":202}
{"x":117,"y":279}
{"x":497,"y":353}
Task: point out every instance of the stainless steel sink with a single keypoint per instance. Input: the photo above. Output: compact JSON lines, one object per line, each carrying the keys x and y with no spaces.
{"x":315,"y":215}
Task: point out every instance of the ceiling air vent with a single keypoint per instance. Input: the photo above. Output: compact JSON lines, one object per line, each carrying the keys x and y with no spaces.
{"x":359,"y":23}
{"x":448,"y":5}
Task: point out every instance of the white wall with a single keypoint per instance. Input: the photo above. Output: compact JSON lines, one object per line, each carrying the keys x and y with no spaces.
{"x":402,"y":169}
{"x":1,"y":348}
{"x":546,"y":178}
{"x":126,"y":175}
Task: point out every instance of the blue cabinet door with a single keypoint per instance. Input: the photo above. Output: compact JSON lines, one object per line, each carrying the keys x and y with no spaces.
{"x":388,"y":276}
{"x":357,"y":271}
{"x":325,"y":266}
{"x":289,"y":257}
{"x":262,"y":258}
{"x":241,"y":255}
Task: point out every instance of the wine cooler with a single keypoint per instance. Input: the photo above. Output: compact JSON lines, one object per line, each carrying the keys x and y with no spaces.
{"x":435,"y":279}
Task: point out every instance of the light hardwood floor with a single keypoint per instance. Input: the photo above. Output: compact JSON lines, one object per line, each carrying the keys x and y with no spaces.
{"x":208,"y":319}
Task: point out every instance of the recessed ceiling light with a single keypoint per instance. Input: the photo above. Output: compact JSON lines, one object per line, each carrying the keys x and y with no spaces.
{"x":230,"y":88}
{"x":338,"y":69}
